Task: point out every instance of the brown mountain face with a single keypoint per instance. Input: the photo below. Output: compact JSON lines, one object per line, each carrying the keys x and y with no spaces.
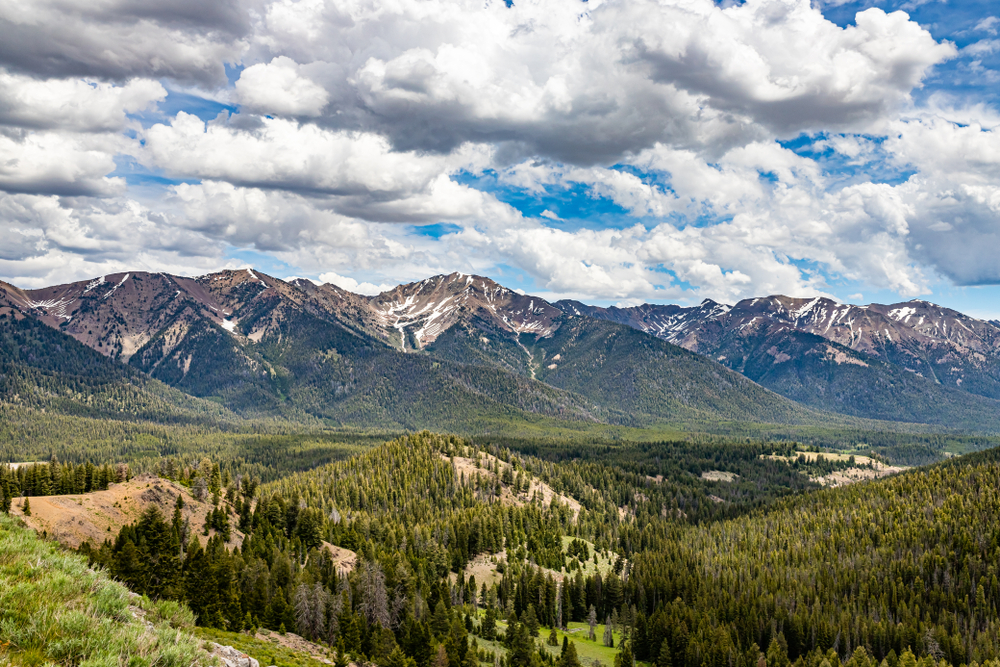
{"x":413,"y":316}
{"x":265,"y":346}
{"x":414,"y":356}
{"x":928,"y":340}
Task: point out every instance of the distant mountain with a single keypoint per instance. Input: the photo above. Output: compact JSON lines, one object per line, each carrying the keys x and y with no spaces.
{"x":473,"y":320}
{"x":442,"y":352}
{"x":912,"y":361}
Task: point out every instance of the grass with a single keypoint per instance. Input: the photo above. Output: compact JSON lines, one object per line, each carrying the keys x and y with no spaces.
{"x":265,"y":652}
{"x":588,"y":651}
{"x":54,"y":610}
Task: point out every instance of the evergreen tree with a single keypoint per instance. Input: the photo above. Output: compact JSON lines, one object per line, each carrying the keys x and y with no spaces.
{"x":569,"y":656}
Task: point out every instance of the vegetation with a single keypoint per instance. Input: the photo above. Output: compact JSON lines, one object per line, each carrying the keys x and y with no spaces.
{"x":666,"y":567}
{"x":53,"y":610}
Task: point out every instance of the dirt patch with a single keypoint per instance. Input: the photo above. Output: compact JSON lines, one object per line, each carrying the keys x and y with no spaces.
{"x":344,"y":560}
{"x":852,"y":475}
{"x":484,"y":568}
{"x":536,"y":487}
{"x":296,"y":643}
{"x":98,"y":516}
{"x":719,"y":476}
{"x":864,"y":467}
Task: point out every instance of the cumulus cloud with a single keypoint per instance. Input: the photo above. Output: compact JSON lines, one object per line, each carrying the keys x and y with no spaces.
{"x":59,"y":163}
{"x":122,"y":39}
{"x":352,"y":285}
{"x":280,"y":89}
{"x":356,"y":120}
{"x":588,"y":84}
{"x":52,"y":240}
{"x":358,"y":174}
{"x":73,"y":104}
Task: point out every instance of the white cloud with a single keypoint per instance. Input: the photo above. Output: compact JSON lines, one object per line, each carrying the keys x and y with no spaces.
{"x":538,"y":76}
{"x":186,"y":40}
{"x":59,"y":163}
{"x":73,"y":104}
{"x":278,"y":88}
{"x":356,"y":174}
{"x":382,"y":111}
{"x":51,"y":240}
{"x":352,"y":285}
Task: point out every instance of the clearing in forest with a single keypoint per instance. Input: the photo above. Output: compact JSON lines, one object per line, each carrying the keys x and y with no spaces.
{"x":99,"y":515}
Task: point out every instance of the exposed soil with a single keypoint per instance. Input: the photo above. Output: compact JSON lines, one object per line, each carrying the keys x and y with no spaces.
{"x":719,"y":476}
{"x":98,"y":516}
{"x":467,"y":466}
{"x":344,"y":560}
{"x":296,"y":643}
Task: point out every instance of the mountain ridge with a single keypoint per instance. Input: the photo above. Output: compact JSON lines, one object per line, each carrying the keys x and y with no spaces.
{"x":260,"y":344}
{"x":263,"y":346}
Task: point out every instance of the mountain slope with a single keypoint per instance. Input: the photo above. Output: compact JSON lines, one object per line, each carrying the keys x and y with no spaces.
{"x":43,"y":368}
{"x":908,"y":362}
{"x":454,"y":350}
{"x":472,"y":320}
{"x":261,"y":346}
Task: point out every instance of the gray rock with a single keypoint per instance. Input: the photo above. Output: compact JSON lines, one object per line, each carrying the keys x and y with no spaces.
{"x":230,"y":657}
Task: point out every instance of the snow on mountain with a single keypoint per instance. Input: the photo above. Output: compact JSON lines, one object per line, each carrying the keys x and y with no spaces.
{"x":420,"y":312}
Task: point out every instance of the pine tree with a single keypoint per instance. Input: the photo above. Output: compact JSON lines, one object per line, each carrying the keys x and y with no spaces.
{"x":26,"y":507}
{"x":530,"y":620}
{"x":569,"y":656}
{"x":664,"y":659}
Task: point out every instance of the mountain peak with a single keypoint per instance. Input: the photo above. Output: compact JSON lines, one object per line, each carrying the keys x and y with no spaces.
{"x":420,"y":312}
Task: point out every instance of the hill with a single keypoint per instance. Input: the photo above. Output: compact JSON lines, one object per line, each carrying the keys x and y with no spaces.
{"x":896,"y":565}
{"x":100,"y":515}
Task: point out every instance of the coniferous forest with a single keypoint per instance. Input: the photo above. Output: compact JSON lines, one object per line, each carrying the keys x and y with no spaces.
{"x":436,"y":550}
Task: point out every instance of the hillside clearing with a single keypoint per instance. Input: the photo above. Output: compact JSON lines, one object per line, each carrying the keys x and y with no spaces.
{"x":99,"y":515}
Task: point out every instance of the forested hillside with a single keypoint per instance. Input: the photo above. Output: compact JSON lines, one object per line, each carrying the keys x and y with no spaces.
{"x":43,"y":368}
{"x":442,"y":551}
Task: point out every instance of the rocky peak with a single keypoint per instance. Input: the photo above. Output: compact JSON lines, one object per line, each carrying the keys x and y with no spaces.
{"x":421,"y":311}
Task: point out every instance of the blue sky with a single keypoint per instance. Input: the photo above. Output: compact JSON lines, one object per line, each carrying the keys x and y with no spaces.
{"x":607,"y":151}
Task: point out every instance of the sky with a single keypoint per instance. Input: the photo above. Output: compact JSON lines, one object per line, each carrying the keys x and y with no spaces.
{"x":613,"y":151}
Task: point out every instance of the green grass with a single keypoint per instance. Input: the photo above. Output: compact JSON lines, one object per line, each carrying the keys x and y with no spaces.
{"x":265,"y":652}
{"x":53,"y":609}
{"x":586,"y":650}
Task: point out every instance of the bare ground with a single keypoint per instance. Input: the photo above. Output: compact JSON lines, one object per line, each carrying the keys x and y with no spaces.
{"x":296,"y":643}
{"x":99,"y":515}
{"x":467,"y":466}
{"x":344,"y":560}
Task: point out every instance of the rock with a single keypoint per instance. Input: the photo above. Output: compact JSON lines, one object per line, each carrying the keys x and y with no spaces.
{"x":230,"y":657}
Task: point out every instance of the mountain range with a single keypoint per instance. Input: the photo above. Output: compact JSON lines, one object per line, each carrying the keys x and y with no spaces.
{"x":450,"y":350}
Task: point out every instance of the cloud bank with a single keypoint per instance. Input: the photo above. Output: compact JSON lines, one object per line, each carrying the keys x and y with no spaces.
{"x":607,"y":149}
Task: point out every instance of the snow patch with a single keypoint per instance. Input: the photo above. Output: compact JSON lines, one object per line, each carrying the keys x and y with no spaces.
{"x":902,"y":313}
{"x":115,"y":288}
{"x":94,"y":283}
